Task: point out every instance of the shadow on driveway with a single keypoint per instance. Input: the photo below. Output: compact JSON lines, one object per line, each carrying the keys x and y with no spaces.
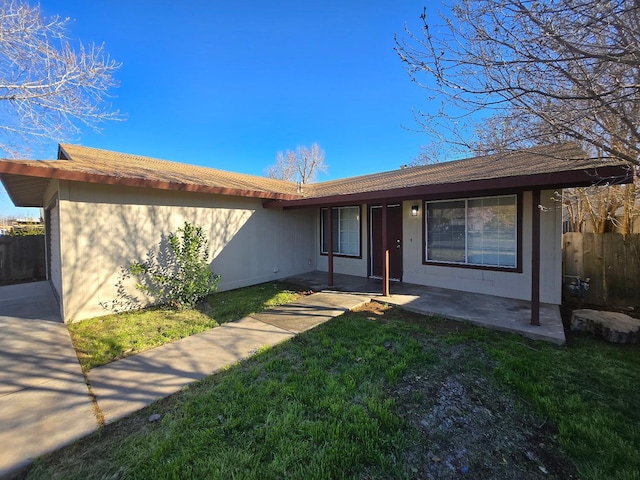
{"x":44,"y":401}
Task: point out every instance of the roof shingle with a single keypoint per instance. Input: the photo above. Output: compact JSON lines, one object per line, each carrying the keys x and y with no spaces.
{"x":535,"y":161}
{"x":77,"y":163}
{"x":122,"y":165}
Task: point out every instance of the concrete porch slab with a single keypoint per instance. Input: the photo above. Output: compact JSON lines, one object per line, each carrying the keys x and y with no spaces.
{"x":490,"y":311}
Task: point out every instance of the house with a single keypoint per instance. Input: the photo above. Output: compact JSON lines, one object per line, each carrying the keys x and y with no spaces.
{"x":485,"y":224}
{"x":22,"y":226}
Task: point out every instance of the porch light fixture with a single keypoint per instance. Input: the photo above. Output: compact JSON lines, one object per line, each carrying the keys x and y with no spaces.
{"x":414,"y":210}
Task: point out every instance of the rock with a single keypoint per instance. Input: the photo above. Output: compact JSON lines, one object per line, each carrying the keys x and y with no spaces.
{"x":612,"y":326}
{"x":154,"y":417}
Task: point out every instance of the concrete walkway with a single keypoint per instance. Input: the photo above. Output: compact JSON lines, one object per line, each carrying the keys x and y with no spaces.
{"x":44,"y":401}
{"x":128,"y":385}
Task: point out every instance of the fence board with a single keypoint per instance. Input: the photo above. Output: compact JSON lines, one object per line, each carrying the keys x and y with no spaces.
{"x":22,"y":258}
{"x":631,"y":265}
{"x":572,"y":255}
{"x":611,"y":261}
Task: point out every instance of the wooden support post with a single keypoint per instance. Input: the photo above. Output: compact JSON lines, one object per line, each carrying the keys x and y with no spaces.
{"x":330,"y":245}
{"x":385,"y":253}
{"x":535,"y":257}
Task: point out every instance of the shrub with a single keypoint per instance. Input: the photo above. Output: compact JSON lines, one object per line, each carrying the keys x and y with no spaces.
{"x":179,"y":275}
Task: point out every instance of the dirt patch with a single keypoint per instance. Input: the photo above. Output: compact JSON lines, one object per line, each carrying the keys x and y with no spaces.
{"x":384,"y":312}
{"x":467,"y":425}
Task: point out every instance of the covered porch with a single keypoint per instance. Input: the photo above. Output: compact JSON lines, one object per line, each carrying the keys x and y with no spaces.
{"x":489,"y":224}
{"x":484,"y":310}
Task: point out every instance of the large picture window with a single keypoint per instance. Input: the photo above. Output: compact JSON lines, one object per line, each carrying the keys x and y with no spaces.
{"x":346,"y":231}
{"x":476,"y":231}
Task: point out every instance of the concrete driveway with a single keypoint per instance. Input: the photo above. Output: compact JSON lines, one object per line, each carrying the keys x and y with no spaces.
{"x":44,"y":401}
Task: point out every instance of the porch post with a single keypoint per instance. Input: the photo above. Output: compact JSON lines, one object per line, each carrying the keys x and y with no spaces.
{"x":535,"y":257}
{"x":330,"y":245}
{"x":385,"y":253}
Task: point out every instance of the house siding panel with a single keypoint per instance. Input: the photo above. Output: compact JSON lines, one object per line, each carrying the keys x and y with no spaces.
{"x":107,"y":227}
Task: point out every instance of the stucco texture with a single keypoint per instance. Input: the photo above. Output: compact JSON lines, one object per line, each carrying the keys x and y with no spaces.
{"x":106,"y":227}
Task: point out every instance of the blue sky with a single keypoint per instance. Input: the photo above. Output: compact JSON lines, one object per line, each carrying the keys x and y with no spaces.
{"x":229,"y":84}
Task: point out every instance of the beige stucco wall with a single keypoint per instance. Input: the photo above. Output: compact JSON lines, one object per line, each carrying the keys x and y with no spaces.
{"x":104,"y":227}
{"x":500,"y":283}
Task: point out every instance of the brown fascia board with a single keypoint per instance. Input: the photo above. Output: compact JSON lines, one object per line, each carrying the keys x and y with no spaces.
{"x":618,"y":174}
{"x":61,"y":174}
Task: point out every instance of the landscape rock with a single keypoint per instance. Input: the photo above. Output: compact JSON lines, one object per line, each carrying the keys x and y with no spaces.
{"x":611,"y":326}
{"x":154,"y":417}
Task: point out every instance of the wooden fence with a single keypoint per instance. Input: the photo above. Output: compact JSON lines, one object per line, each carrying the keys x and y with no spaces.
{"x":610,"y":261}
{"x":22,"y":258}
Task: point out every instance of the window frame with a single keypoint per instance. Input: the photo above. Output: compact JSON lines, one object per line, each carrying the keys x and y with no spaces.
{"x":518,"y":254}
{"x":338,"y":254}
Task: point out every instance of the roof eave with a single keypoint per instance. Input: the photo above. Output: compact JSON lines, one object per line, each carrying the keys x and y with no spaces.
{"x":619,"y":174}
{"x":11,"y":168}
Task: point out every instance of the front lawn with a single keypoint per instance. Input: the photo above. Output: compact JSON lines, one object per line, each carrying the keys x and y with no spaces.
{"x":383,"y":393}
{"x":104,"y":339}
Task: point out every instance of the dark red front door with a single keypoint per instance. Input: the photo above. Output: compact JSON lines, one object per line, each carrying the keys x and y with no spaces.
{"x":394,"y":240}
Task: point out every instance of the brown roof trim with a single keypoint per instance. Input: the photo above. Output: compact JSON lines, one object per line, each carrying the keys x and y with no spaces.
{"x":15,"y":168}
{"x":564,"y":179}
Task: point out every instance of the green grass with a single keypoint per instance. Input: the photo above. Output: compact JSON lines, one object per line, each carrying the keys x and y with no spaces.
{"x":589,"y":390}
{"x":235,"y":304}
{"x":104,"y":339}
{"x":314,"y":407}
{"x":325,"y":405}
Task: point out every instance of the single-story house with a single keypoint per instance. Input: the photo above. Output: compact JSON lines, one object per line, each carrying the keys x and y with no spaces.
{"x":487,"y":224}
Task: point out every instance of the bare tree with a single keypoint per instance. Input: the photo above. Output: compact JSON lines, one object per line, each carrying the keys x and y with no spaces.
{"x":602,"y":209}
{"x":48,"y":88}
{"x":301,"y":166}
{"x":284,"y":168}
{"x":592,"y":207}
{"x":435,"y":151}
{"x":569,"y":68}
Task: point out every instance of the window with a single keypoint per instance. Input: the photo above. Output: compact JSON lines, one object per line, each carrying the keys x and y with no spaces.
{"x":478,"y":231}
{"x":346,"y":231}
